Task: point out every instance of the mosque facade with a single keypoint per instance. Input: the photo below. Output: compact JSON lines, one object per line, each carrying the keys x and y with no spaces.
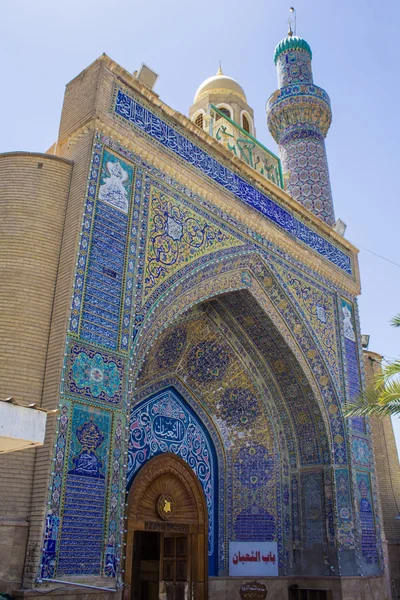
{"x":180,"y":295}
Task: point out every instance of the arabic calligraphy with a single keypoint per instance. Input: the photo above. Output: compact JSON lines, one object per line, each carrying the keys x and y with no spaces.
{"x":128,"y":108}
{"x":168,"y":428}
{"x":87,"y":462}
{"x":245,"y":147}
{"x":163,"y":424}
{"x":257,"y":559}
{"x":254,"y":557}
{"x":253,"y":591}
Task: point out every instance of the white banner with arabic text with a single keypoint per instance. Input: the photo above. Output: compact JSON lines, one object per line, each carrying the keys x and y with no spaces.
{"x":253,"y":559}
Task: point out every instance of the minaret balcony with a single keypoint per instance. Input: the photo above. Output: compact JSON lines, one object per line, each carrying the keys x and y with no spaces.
{"x":297,"y":104}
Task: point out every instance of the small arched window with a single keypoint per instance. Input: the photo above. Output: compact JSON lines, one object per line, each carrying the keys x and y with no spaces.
{"x":245,"y":123}
{"x":225,"y":111}
{"x":199,"y":120}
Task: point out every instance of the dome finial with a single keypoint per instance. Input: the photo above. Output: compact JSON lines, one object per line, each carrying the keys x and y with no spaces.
{"x":219,"y":72}
{"x":292,"y":21}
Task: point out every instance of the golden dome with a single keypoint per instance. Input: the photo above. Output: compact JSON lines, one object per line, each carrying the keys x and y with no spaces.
{"x":217,"y":83}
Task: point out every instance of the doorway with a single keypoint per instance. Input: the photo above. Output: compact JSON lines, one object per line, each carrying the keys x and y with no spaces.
{"x":166,"y":553}
{"x":146,"y":565}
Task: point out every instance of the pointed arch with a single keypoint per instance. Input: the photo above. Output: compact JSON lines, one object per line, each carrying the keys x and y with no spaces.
{"x":248,"y":271}
{"x":164,"y":421}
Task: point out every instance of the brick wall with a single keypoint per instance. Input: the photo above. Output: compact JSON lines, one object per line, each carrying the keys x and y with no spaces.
{"x":388,"y":476}
{"x":33,"y":198}
{"x":80,"y":153}
{"x":80,"y":100}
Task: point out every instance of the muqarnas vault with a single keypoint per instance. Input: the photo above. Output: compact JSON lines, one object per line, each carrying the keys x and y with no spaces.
{"x":185,"y":303}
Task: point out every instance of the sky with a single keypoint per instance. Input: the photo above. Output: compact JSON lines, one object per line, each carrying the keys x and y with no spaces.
{"x":44,"y":44}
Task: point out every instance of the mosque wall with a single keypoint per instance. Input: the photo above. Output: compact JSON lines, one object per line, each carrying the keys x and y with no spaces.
{"x":44,"y":463}
{"x":161,"y":229}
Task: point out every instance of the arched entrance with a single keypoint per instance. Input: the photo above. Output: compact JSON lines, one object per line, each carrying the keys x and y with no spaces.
{"x":166,"y":553}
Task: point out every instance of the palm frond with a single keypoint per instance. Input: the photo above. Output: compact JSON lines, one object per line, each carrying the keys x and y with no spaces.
{"x":396,"y":321}
{"x":360,"y":409}
{"x":391,"y":369}
{"x":388,"y":371}
{"x":363,"y":405}
{"x":382,"y":398}
{"x":390,"y":393}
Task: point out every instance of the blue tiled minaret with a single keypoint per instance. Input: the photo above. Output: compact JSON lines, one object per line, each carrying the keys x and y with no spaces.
{"x":298,"y":116}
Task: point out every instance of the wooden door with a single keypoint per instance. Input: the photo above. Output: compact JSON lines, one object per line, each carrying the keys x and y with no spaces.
{"x":175,"y":566}
{"x":167,"y":498}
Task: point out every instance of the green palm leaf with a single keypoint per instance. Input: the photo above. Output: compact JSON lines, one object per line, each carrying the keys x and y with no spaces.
{"x":396,"y":321}
{"x":389,"y":373}
{"x":382,"y":398}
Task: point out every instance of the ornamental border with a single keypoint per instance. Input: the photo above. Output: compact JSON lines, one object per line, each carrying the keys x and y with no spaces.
{"x":168,"y":137}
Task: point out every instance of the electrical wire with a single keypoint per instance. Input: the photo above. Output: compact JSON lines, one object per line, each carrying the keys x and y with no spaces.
{"x":376,"y":254}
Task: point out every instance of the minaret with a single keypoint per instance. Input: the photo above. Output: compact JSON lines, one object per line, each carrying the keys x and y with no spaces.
{"x":298,"y":116}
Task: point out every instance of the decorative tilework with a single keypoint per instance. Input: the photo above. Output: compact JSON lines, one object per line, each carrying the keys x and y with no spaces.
{"x":348,"y":323}
{"x":86,"y":462}
{"x":223,"y":282}
{"x":131,"y":262}
{"x":172,"y":347}
{"x":164,"y":424}
{"x":172,"y":382}
{"x":352,"y":367}
{"x":176,"y":236}
{"x":255,"y":466}
{"x":115,"y":182}
{"x":51,"y":534}
{"x":94,"y":374}
{"x":113,"y":547}
{"x":361,"y":451}
{"x":61,"y":442}
{"x":100,"y":273}
{"x":345,"y":521}
{"x":313,"y":509}
{"x":219,"y":401}
{"x":261,"y":380}
{"x":238,"y":406}
{"x":82,"y":525}
{"x":50,"y":546}
{"x":329,"y":509}
{"x":319,"y":307}
{"x":129,"y":109}
{"x":291,"y":43}
{"x":299,"y":116}
{"x":255,"y":525}
{"x":305,"y":96}
{"x":145,"y":304}
{"x":101,"y":305}
{"x":298,"y":397}
{"x":296,"y":530}
{"x":208,"y":361}
{"x":309,"y":350}
{"x":367,"y":520}
{"x":81,"y":543}
{"x":275,"y":406}
{"x":304,"y":158}
{"x":294,"y":67}
{"x":84,"y":245}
